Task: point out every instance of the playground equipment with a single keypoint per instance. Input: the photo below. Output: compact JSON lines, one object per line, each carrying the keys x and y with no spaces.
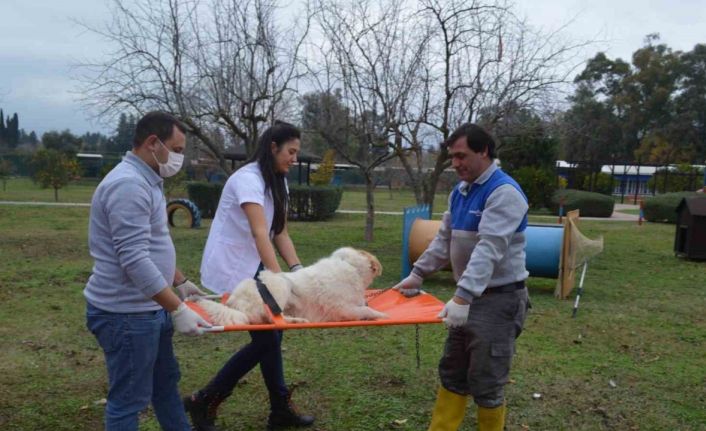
{"x":186,"y":208}
{"x":552,"y":251}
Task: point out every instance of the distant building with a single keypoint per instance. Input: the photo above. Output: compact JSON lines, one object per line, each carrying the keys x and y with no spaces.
{"x":632,"y":179}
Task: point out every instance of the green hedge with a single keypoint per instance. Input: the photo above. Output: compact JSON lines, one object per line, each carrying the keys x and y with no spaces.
{"x":537,"y":183}
{"x":205,"y":196}
{"x":305,"y":203}
{"x":589,"y":204}
{"x":663,"y":208}
{"x":602,"y":183}
{"x":308,"y":203}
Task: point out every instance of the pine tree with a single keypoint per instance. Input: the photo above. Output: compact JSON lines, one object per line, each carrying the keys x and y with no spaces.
{"x":323,"y":175}
{"x":13,"y":131}
{"x":33,"y":138}
{"x":2,"y":127}
{"x":122,"y":139}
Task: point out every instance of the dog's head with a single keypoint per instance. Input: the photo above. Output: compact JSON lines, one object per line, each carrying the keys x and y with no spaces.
{"x":362,"y":260}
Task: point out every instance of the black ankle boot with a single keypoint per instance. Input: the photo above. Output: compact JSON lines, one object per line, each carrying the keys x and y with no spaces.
{"x":202,"y":408}
{"x":284,"y":414}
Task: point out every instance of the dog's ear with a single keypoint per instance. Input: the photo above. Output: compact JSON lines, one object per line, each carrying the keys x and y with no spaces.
{"x":375,"y":264}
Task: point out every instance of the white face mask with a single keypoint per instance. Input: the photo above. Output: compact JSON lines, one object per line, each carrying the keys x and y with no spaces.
{"x":173,"y":165}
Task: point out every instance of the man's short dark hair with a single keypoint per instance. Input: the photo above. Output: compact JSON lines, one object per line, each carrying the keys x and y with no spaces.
{"x":156,"y":123}
{"x":476,"y":137}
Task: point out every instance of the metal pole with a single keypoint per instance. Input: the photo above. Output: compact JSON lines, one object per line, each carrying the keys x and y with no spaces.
{"x":580,"y":290}
{"x":637,"y":182}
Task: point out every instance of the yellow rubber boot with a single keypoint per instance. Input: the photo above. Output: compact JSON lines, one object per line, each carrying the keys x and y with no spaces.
{"x":449,"y":411}
{"x":491,"y":419}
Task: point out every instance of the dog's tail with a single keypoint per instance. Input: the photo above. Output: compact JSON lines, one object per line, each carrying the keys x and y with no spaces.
{"x":222,"y":315}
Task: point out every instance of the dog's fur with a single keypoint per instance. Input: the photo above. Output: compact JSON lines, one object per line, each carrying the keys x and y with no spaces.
{"x":332,"y":289}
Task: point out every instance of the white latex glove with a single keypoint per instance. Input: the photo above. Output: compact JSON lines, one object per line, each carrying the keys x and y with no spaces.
{"x":187,"y":321}
{"x":454,"y":314}
{"x":187,"y":288}
{"x":296,"y":267}
{"x":410,"y":285}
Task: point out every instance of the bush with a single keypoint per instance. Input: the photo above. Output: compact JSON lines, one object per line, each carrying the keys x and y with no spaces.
{"x":685,"y":178}
{"x":313,"y":203}
{"x":588,"y":203}
{"x":537,"y":183}
{"x":351,"y":177}
{"x":52,"y":168}
{"x":324,"y":174}
{"x":205,"y":196}
{"x":174,"y":185}
{"x":603,"y":183}
{"x":663,"y":208}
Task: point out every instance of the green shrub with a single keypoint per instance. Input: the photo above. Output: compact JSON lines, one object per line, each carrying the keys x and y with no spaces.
{"x":602,"y":183}
{"x":685,"y":178}
{"x":308,"y":203}
{"x":589,"y":204}
{"x":537,"y":183}
{"x":205,"y":196}
{"x":324,"y":174}
{"x":663,"y":208}
{"x":352,"y":176}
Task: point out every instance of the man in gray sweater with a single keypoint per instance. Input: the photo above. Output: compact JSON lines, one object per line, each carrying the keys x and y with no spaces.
{"x":129,"y":293}
{"x":482,"y":236}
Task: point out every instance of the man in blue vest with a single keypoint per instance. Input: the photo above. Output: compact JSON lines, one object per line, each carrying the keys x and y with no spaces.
{"x":482,"y":236}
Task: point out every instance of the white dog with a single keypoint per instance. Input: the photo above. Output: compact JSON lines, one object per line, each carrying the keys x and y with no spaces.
{"x":332,"y":289}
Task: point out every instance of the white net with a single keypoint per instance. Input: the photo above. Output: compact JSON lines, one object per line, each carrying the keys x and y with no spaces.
{"x":582,"y":247}
{"x":577,"y":249}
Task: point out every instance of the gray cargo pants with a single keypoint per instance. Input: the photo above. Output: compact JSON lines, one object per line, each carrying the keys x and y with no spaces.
{"x":477,"y":356}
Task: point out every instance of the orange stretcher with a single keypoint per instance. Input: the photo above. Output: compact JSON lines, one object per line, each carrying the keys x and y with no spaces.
{"x":400,"y":310}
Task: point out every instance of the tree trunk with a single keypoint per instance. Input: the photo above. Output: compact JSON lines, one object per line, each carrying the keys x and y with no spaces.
{"x":370,"y":206}
{"x":431,"y":180}
{"x":56,"y":194}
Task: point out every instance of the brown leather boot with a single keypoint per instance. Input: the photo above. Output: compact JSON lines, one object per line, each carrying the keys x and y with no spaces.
{"x":284,"y":414}
{"x":202,"y":408}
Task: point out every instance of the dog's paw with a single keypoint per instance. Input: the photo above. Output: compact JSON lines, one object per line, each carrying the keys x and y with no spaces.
{"x":371,"y":314}
{"x":290,"y":319}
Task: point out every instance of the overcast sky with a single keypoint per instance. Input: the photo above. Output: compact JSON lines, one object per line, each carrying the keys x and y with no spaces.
{"x":39,"y":41}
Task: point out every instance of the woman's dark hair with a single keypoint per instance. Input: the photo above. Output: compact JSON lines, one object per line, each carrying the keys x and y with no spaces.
{"x":280,"y":134}
{"x":476,"y":138}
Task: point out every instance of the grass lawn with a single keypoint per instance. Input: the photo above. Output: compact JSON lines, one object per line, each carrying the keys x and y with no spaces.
{"x":23,"y":189}
{"x":632,"y":359}
{"x":384,"y":200}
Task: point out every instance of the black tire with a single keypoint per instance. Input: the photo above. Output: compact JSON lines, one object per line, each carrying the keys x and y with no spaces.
{"x":186,"y":205}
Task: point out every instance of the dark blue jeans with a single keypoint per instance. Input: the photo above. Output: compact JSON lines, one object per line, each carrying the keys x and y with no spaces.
{"x":141,"y":368}
{"x":264,"y":349}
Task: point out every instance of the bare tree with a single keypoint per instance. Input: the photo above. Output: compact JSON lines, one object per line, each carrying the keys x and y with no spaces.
{"x":424,"y":67}
{"x":218,"y":65}
{"x":370,"y":52}
{"x":481,"y":60}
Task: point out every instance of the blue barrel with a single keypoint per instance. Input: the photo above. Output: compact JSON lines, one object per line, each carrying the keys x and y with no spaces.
{"x":543,"y":250}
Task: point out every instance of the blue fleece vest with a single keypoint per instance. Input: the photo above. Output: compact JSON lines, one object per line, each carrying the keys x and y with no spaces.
{"x":466,"y":211}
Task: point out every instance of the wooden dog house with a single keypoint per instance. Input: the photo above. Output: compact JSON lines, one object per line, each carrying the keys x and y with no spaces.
{"x":690,"y":237}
